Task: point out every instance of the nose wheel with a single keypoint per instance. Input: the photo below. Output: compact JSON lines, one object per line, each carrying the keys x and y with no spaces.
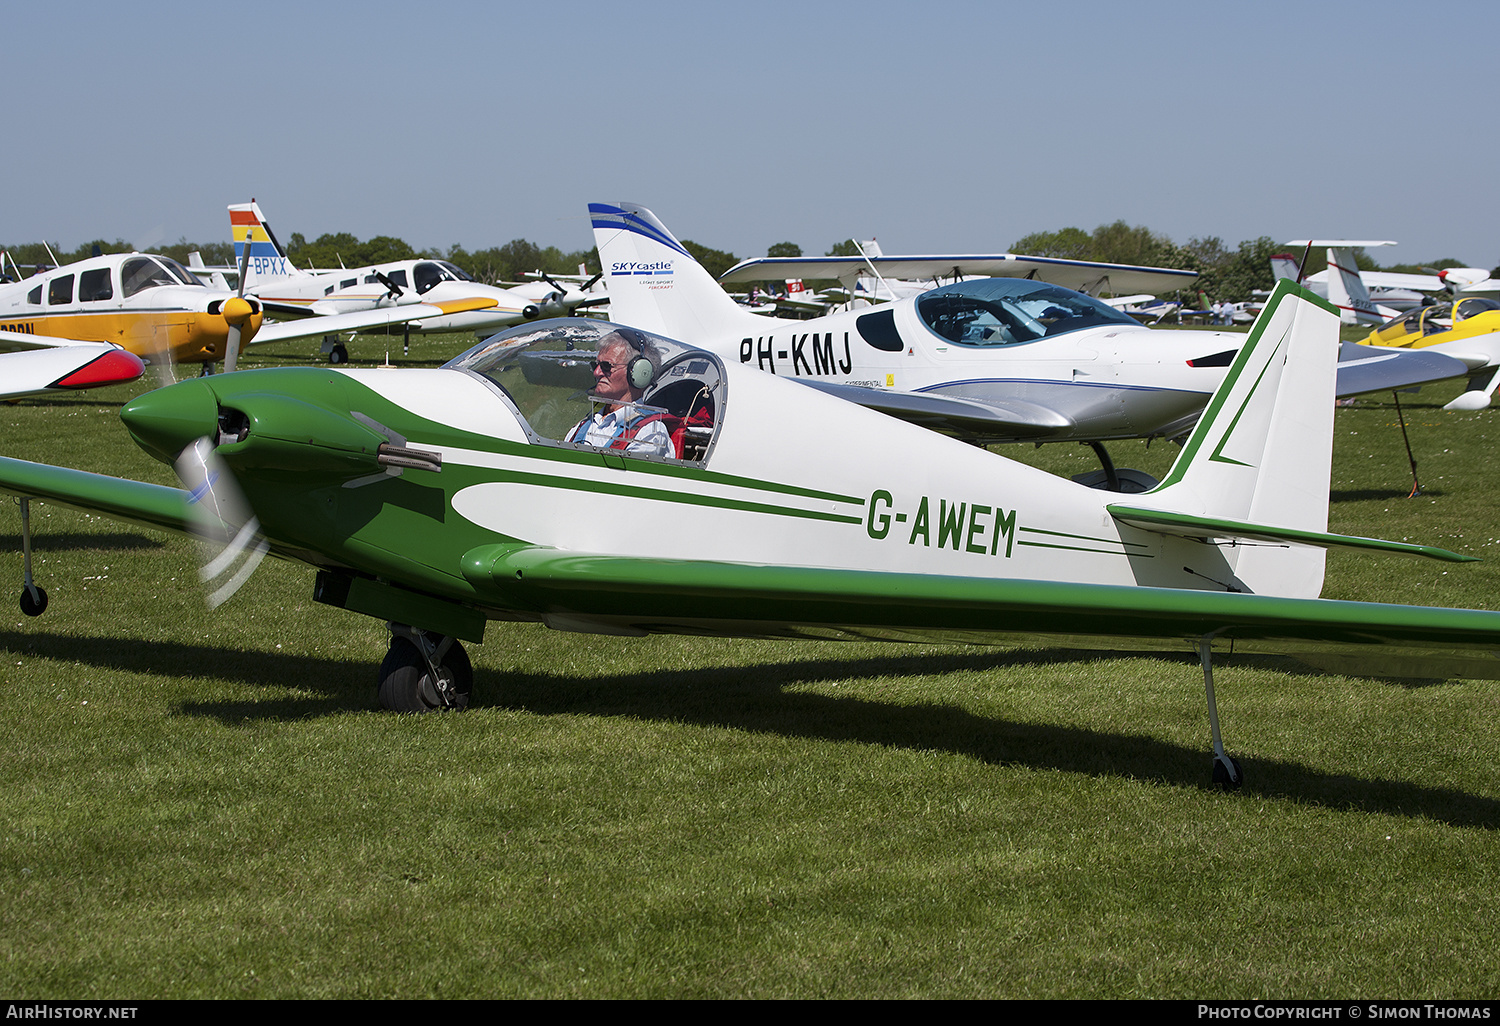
{"x":424,"y":672}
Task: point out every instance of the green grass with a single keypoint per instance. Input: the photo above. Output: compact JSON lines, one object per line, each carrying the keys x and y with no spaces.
{"x":209,"y":805}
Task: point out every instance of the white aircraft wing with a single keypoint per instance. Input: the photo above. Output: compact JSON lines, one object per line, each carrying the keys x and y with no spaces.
{"x":38,"y":365}
{"x":1037,"y":413}
{"x":363,"y":320}
{"x":1080,"y":275}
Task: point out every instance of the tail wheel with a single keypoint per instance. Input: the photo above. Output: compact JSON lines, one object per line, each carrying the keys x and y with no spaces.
{"x":407,"y":683}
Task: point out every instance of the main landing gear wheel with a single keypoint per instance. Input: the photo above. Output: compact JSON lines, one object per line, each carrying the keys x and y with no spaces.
{"x":33,"y":600}
{"x":338,"y":354}
{"x":1223,"y":778}
{"x":423,"y":672}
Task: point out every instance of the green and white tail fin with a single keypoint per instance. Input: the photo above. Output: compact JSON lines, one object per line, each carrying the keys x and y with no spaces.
{"x":1262,"y":452}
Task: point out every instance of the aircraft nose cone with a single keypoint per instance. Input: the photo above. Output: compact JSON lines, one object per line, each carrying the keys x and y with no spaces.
{"x":236,"y":311}
{"x":163,"y":422}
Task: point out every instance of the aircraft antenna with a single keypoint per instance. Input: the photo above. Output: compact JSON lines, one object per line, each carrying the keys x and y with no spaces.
{"x":1302,"y":267}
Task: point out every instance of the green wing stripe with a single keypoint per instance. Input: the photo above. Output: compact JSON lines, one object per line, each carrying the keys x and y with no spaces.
{"x":134,"y":501}
{"x":1190,"y":526}
{"x":657,"y":494}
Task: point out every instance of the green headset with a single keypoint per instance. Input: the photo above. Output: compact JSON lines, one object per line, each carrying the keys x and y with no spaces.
{"x":639,"y":371}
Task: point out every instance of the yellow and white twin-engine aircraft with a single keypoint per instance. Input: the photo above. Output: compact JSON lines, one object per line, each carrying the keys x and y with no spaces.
{"x":994,"y":359}
{"x":157,"y":309}
{"x":285,"y":290}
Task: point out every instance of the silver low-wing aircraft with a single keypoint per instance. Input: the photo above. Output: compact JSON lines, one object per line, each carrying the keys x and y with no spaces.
{"x":441,"y":499}
{"x":992,"y":359}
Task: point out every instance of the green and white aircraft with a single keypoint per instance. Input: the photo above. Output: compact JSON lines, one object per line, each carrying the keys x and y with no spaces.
{"x":726,"y":501}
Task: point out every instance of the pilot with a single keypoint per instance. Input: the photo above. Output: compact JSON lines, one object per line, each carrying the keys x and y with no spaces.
{"x":621,"y":373}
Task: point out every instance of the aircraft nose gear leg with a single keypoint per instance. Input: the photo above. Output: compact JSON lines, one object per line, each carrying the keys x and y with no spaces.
{"x":424,"y":671}
{"x":33,"y":598}
{"x":1227,"y":773}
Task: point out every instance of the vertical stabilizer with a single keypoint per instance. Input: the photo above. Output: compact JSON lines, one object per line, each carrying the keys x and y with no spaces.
{"x":656,"y":284}
{"x":1346,"y":289}
{"x":268,"y":261}
{"x":1284,"y":265}
{"x":1263,"y":449}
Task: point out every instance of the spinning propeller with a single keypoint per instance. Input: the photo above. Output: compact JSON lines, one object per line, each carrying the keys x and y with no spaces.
{"x":228,"y":532}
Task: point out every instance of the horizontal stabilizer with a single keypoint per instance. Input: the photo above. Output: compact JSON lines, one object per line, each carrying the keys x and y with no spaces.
{"x":1187,"y":525}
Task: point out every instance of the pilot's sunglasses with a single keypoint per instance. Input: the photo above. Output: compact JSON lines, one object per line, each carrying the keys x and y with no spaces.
{"x":605,"y":366}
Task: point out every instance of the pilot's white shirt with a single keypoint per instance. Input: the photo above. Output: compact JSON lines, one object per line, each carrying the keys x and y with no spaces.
{"x":653,"y":439}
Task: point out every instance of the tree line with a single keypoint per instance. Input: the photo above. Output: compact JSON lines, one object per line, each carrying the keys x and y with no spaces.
{"x":1224,"y":273}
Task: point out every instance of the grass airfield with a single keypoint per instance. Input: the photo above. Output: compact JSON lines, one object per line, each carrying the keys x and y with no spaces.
{"x":198,"y":805}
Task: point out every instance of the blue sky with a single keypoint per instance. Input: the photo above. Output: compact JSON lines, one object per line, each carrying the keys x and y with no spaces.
{"x":933,"y":126}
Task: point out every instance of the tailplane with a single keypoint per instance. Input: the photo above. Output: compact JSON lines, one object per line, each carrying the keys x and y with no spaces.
{"x":1263,"y":450}
{"x":1346,"y":289}
{"x":655,"y":284}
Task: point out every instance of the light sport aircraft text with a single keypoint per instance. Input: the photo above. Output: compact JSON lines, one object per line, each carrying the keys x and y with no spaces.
{"x":441,"y":499}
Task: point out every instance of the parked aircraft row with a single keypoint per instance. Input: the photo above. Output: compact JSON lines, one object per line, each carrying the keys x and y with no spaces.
{"x":440,"y":499}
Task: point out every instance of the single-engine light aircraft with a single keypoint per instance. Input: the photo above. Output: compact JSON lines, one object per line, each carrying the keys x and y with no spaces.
{"x":288,"y":291}
{"x":1467,"y":330}
{"x":602,"y":479}
{"x":990,"y":359}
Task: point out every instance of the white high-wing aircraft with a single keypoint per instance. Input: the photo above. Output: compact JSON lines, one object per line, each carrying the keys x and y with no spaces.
{"x":287,"y":290}
{"x":995,"y":359}
{"x":906,"y":276}
{"x":32,"y":365}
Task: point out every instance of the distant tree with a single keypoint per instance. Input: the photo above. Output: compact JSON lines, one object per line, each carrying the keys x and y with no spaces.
{"x":784,"y":249}
{"x":1249,"y":270}
{"x":220,"y":254}
{"x":714,"y":261}
{"x":845,"y":248}
{"x":1068,"y":244}
{"x":1210,"y":251}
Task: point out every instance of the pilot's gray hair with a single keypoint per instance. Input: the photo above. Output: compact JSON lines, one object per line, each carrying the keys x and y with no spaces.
{"x":641,"y":345}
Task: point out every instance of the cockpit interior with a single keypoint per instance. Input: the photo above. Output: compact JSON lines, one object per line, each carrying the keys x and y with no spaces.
{"x":1010,"y":311}
{"x":545,"y":370}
